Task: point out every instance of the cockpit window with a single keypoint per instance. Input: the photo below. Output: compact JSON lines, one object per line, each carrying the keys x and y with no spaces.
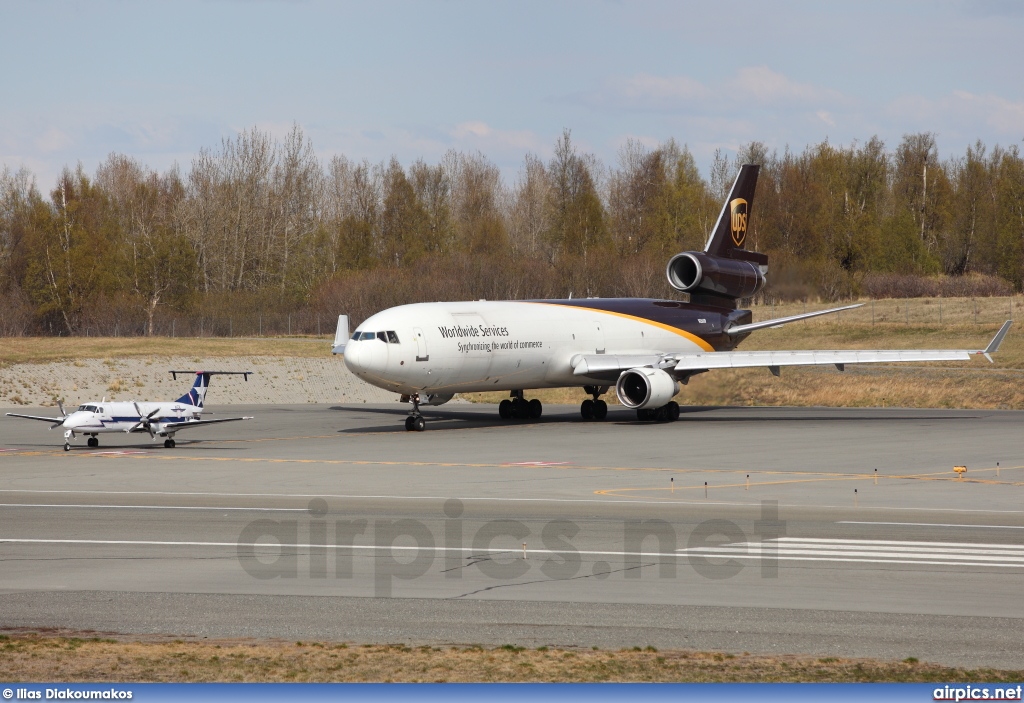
{"x":392,"y":337}
{"x":355,"y":336}
{"x":83,"y":407}
{"x":89,"y":408}
{"x":382,"y":337}
{"x":367,"y":335}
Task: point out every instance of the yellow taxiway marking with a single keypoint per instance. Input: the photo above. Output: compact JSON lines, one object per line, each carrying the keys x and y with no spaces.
{"x":791,"y":477}
{"x":816,"y":477}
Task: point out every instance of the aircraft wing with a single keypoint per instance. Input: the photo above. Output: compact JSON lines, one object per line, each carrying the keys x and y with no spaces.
{"x":179,"y":426}
{"x":681,"y":365}
{"x":57,"y":420}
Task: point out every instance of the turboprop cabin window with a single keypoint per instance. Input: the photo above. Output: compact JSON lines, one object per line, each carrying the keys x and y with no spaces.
{"x":392,"y":337}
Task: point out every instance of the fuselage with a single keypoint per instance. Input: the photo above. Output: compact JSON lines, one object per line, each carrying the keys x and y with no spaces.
{"x":96,"y":418}
{"x":445,"y":348}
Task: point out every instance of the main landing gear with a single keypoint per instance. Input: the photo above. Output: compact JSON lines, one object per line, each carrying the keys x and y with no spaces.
{"x":93,"y":441}
{"x":415,"y":421}
{"x":666,"y":413}
{"x":516,"y":407}
{"x":595,"y":408}
{"x":169,"y":443}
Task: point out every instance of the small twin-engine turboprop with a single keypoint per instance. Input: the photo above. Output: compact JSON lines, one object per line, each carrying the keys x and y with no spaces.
{"x":644,"y":348}
{"x":158,"y":419}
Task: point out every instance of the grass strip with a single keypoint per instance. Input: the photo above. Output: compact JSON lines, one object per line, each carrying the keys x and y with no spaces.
{"x":34,"y":657}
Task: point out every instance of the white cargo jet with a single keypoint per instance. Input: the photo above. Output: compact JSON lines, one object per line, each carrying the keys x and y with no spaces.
{"x":158,"y":419}
{"x":645,"y":348}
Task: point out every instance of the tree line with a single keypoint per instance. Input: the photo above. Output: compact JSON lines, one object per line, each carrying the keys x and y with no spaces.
{"x":263,"y":226}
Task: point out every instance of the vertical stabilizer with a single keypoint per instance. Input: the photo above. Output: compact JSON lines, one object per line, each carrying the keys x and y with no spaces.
{"x":729,"y":237}
{"x":197,"y":393}
{"x":340,"y":335}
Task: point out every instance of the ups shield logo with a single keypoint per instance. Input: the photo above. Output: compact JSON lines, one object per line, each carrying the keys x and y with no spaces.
{"x":738,"y":221}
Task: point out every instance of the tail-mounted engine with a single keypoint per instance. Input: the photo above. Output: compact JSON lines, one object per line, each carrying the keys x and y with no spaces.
{"x":725,"y":271}
{"x":697,"y":272}
{"x":643,"y":387}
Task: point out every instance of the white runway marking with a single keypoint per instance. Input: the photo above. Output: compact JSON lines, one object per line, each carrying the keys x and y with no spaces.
{"x":150,"y":507}
{"x":931,"y":524}
{"x":784,"y":549}
{"x":870,"y":551}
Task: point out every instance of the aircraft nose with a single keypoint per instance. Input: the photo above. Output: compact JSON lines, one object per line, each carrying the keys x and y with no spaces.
{"x":368,"y":356}
{"x":355,"y":353}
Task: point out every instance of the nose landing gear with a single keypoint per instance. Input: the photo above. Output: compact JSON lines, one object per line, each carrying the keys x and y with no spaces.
{"x":415,"y":421}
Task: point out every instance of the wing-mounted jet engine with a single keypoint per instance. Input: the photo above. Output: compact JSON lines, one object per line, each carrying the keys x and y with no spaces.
{"x":725,"y":271}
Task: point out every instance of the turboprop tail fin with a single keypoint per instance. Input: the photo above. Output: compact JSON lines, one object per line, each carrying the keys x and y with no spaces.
{"x":197,"y":393}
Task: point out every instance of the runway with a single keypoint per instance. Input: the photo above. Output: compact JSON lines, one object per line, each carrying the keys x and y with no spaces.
{"x":779,"y":530}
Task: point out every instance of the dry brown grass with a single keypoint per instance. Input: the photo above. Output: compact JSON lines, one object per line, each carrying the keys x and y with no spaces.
{"x":31,"y":350}
{"x":35,"y":658}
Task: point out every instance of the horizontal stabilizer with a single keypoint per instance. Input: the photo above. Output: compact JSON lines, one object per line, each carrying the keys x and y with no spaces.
{"x":174,"y":374}
{"x":779,"y":321}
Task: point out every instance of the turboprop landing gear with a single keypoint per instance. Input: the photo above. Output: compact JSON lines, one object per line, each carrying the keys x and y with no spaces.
{"x":68,"y":436}
{"x":519,"y":408}
{"x":666,"y":413}
{"x":595,"y":408}
{"x":169,"y":443}
{"x":415,"y":421}
{"x":93,"y":442}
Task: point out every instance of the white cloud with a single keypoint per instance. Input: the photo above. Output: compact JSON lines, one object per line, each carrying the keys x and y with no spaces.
{"x":53,"y":140}
{"x":480,"y":135}
{"x":771,"y":87}
{"x":960,"y":112}
{"x":749,"y":86}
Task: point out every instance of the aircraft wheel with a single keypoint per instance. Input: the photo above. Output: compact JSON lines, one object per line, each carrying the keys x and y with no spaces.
{"x":93,"y":442}
{"x":600,"y":409}
{"x":536,"y":409}
{"x":505,"y":409}
{"x":673,"y":411}
{"x":408,"y":423}
{"x":645,"y":414}
{"x":67,"y":447}
{"x":520,"y":409}
{"x":419,"y":424}
{"x":168,"y":444}
{"x":587,"y":409}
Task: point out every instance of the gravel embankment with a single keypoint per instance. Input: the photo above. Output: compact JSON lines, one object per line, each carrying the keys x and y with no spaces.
{"x":276,"y":380}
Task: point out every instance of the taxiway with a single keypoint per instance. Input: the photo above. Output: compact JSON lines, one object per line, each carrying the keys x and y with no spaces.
{"x":839,"y":532}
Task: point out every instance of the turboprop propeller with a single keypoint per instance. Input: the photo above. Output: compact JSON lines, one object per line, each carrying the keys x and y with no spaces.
{"x":144,"y":421}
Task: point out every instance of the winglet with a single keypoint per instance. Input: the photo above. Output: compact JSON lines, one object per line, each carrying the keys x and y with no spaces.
{"x":993,"y":346}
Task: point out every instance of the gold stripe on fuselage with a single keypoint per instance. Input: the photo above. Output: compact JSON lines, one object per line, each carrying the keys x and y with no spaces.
{"x":661,"y":325}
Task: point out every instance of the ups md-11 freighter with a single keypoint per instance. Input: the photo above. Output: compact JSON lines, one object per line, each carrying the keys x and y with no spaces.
{"x":645,"y":348}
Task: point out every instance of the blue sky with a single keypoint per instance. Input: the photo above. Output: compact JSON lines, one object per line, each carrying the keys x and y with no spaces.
{"x":159,"y":81}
